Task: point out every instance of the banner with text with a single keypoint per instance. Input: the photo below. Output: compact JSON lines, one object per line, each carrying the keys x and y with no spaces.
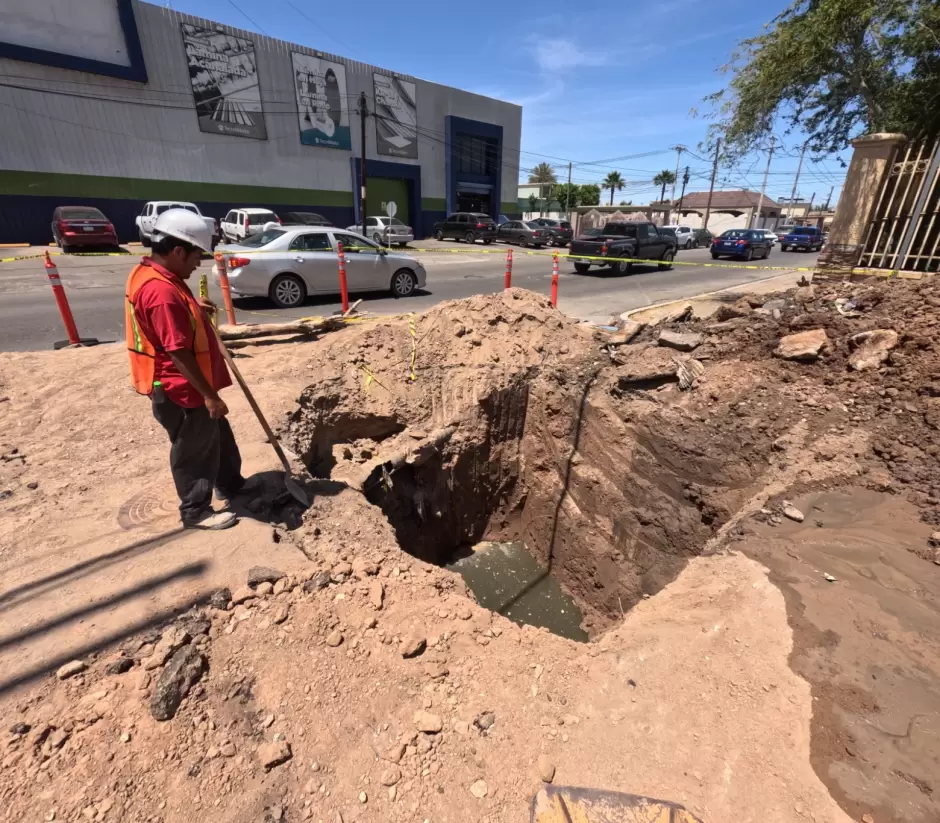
{"x":322,"y":106}
{"x":396,"y":116}
{"x":223,"y":72}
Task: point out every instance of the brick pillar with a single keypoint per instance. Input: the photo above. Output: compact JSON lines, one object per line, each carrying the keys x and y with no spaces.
{"x":871,"y":158}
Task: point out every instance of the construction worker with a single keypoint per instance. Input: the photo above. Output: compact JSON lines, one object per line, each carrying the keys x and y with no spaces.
{"x":176,"y":361}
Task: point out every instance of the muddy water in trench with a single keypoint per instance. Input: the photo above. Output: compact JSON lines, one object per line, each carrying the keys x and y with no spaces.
{"x":507,"y":579}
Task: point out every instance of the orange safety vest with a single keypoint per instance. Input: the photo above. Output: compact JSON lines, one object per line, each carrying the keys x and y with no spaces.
{"x":142,"y":352}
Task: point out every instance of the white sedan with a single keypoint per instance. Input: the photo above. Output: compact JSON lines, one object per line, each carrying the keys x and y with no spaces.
{"x":287,"y":264}
{"x":387,"y":231}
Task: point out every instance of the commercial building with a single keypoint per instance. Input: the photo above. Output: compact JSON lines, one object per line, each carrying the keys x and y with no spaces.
{"x":127,"y":102}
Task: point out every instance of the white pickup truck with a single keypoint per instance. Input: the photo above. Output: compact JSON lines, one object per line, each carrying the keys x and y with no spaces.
{"x":155,"y":208}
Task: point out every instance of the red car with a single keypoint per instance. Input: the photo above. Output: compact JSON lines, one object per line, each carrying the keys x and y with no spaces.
{"x":74,"y":226}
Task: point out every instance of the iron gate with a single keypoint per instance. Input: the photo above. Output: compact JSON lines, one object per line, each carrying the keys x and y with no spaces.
{"x":904,"y":234}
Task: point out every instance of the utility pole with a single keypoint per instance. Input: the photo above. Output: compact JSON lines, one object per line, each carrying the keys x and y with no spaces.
{"x":685,"y":182}
{"x":678,"y":150}
{"x":828,"y":198}
{"x":763,"y":188}
{"x":796,"y":180}
{"x":568,"y":195}
{"x":711,"y":187}
{"x":363,"y":114}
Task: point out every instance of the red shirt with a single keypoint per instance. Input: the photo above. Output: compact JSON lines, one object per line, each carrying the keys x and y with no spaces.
{"x":165,"y":320}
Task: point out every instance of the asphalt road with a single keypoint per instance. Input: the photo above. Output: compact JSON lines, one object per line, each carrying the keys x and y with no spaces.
{"x":29,"y":319}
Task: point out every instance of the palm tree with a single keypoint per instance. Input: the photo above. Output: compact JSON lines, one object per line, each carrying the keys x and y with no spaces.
{"x":614,"y":182}
{"x":664,"y":178}
{"x":544,"y":175}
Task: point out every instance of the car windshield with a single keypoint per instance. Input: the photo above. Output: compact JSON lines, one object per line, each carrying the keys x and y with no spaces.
{"x":667,"y":230}
{"x":733,"y":234}
{"x":552,"y":223}
{"x":593,"y":232}
{"x":82,"y":214}
{"x":262,"y":238}
{"x":533,"y":225}
{"x":803,"y":230}
{"x":564,"y":224}
{"x":394,"y":221}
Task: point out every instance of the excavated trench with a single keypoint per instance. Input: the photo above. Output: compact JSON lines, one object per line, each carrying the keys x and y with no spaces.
{"x":611,"y":494}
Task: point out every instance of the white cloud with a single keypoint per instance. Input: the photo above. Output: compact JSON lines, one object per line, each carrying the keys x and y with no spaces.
{"x":556,"y":54}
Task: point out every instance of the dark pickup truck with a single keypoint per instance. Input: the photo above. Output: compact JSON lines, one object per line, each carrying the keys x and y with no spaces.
{"x":808,"y":238}
{"x":621,"y":242}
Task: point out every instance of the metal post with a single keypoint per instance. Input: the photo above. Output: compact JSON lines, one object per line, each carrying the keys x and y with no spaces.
{"x":678,"y":150}
{"x":685,"y":182}
{"x":363,"y":114}
{"x":763,"y":188}
{"x":711,"y":187}
{"x":796,"y":180}
{"x":568,"y":198}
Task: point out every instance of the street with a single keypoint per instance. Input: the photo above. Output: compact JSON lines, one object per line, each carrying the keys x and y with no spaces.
{"x":94,"y":285}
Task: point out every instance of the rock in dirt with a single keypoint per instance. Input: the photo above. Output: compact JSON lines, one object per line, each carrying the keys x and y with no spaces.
{"x":334,"y":638}
{"x":184,"y":670}
{"x":627,"y":331}
{"x":732,"y":311}
{"x":805,"y":346}
{"x":484,"y":722}
{"x":274,"y":754}
{"x":376,"y":594}
{"x":790,"y":511}
{"x":688,"y":370}
{"x":264,"y":574}
{"x":463,"y":612}
{"x":319,"y":581}
{"x":119,"y":666}
{"x":195,"y":625}
{"x":220,"y":599}
{"x":647,"y":365}
{"x":390,"y":776}
{"x":264,"y":589}
{"x":20,"y":728}
{"x":681,"y":341}
{"x":413,"y":646}
{"x":545,"y":768}
{"x":241,"y":594}
{"x":427,"y":722}
{"x":871,"y":348}
{"x":478,"y":789}
{"x":171,"y":640}
{"x":70,"y":669}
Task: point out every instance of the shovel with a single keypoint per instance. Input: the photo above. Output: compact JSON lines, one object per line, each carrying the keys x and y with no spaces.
{"x":292,"y":486}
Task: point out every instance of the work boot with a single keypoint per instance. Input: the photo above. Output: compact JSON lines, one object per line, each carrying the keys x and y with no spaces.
{"x":211,"y":520}
{"x":254,"y":485}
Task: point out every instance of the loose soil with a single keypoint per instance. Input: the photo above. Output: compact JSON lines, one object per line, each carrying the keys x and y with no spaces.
{"x":657,"y":508}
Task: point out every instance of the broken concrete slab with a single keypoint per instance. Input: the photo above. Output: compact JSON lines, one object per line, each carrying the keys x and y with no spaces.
{"x":804,"y":346}
{"x":680,"y":341}
{"x":871,"y":348}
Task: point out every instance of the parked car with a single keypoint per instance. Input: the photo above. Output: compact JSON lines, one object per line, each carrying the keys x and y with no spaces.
{"x":386,"y":231}
{"x":623,"y":240}
{"x":467,"y":225}
{"x":703,"y":238}
{"x":239,"y":224}
{"x":685,"y":236}
{"x":288,"y":264}
{"x":806,"y":238}
{"x":74,"y":226}
{"x":500,"y":219}
{"x":303,"y":218}
{"x":155,"y":208}
{"x":559,"y":231}
{"x":524,"y":233}
{"x":743,"y":243}
{"x":783,"y":231}
{"x":770,"y":235}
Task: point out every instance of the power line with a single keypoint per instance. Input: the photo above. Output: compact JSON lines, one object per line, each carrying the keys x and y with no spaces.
{"x":243,"y":14}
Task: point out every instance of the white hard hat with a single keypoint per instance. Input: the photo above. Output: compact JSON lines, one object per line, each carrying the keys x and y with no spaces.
{"x":183,"y":225}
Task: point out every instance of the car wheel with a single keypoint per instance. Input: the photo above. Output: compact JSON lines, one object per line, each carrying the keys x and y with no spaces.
{"x":667,"y":260}
{"x":287,"y":291}
{"x":748,"y":255}
{"x":714,"y":256}
{"x":377,"y":239}
{"x":403,"y":283}
{"x":523,"y":240}
{"x":487,"y":242}
{"x":402,"y":245}
{"x":767,"y":253}
{"x":582,"y":268}
{"x":439,"y":235}
{"x":144,"y":240}
{"x":550,"y":241}
{"x":622,"y":266}
{"x":784,"y":248}
{"x":470,"y":237}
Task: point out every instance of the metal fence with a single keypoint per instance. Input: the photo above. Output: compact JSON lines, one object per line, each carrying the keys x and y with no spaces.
{"x":904,"y":233}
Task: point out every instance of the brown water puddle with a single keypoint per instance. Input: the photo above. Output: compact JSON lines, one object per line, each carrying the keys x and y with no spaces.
{"x":869,"y":643}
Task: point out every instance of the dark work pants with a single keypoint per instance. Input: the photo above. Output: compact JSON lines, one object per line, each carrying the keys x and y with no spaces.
{"x":203,"y":455}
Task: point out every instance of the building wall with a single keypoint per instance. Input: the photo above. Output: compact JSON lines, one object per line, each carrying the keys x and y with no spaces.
{"x":63,"y":144}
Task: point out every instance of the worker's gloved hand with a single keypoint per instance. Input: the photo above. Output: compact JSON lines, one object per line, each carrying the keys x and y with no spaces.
{"x":207,"y":304}
{"x":216,"y":407}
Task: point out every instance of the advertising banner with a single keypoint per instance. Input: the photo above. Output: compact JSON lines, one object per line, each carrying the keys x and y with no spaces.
{"x":396,"y":116}
{"x":223,"y":71}
{"x":322,"y":104}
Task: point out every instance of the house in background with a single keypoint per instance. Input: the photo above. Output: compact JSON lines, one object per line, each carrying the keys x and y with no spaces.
{"x":729,"y":210}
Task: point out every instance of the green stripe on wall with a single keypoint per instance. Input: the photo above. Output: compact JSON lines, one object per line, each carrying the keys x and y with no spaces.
{"x":509,"y":208}
{"x":434,"y":204}
{"x":46,"y":184}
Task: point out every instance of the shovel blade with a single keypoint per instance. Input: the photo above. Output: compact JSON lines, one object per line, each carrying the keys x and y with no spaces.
{"x":296,"y":491}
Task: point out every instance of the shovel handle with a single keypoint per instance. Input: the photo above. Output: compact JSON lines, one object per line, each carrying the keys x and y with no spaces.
{"x":252,"y":402}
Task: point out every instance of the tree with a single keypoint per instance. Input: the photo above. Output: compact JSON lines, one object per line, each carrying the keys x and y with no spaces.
{"x":626,"y":202}
{"x":834,"y":69}
{"x":590,"y":194}
{"x":568,"y":195}
{"x":533,"y":203}
{"x":614,"y":182}
{"x":664,"y":178}
{"x":544,"y":175}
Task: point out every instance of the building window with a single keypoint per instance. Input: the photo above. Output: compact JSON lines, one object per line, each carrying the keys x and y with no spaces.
{"x":476,"y":155}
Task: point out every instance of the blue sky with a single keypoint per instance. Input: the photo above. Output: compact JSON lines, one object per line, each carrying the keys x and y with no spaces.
{"x":607,"y":80}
